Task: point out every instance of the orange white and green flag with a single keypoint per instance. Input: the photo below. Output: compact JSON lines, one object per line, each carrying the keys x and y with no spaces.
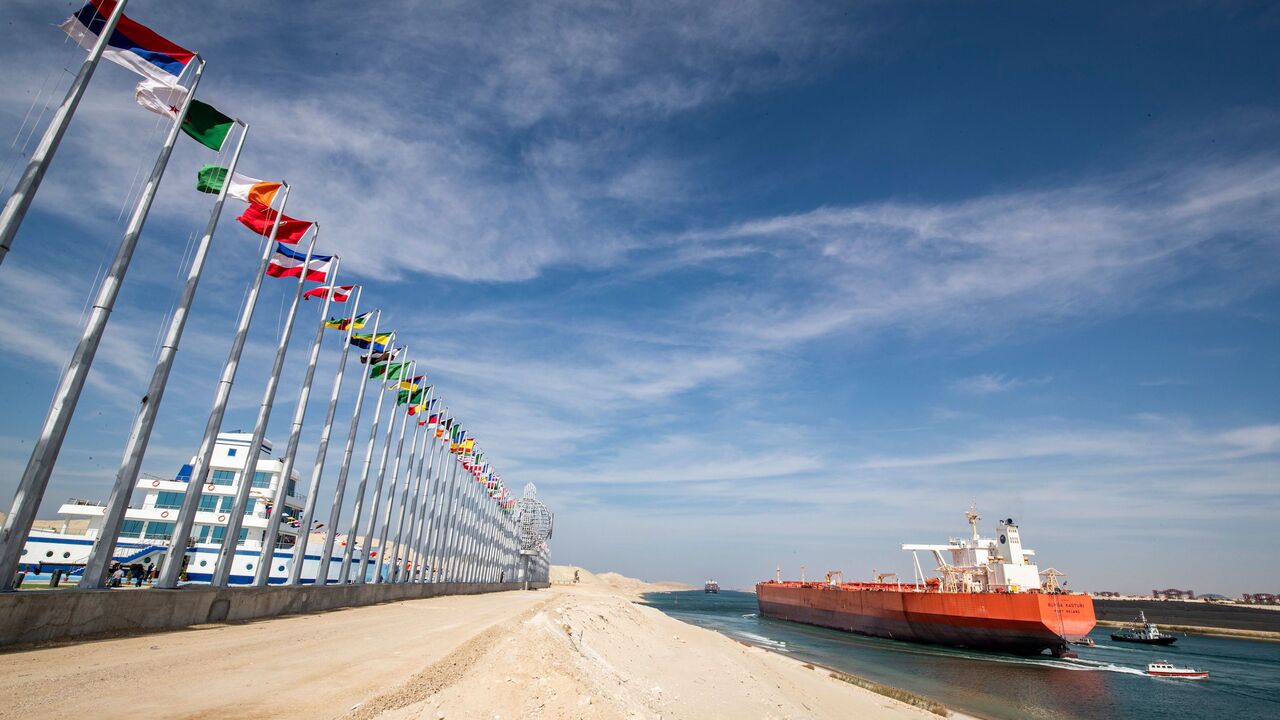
{"x":211,"y":178}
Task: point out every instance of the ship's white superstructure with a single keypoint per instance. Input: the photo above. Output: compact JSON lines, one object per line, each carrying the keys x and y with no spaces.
{"x":979,"y":564}
{"x":147,"y":532}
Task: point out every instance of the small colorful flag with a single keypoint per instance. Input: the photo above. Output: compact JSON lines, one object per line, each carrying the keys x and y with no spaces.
{"x":341,"y":293}
{"x":288,"y":263}
{"x":132,"y":44}
{"x":380,"y":357}
{"x":366,"y":341}
{"x":211,"y":178}
{"x":411,"y":384}
{"x":203,"y":123}
{"x":382,"y":369}
{"x":356,"y":323}
{"x":260,"y":219}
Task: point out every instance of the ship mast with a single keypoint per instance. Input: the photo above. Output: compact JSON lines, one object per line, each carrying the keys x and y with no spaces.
{"x":972,"y":516}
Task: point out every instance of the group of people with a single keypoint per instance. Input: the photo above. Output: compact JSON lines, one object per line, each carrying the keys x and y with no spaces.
{"x":137,"y":572}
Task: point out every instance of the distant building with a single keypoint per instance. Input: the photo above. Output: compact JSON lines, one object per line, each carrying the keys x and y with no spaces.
{"x":1173,"y":594}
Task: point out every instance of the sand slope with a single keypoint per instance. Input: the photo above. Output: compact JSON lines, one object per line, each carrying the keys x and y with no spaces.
{"x":591,"y":653}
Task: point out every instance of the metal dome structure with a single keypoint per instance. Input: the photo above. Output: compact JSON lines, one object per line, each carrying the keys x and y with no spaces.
{"x":534,"y":520}
{"x":534,"y":524}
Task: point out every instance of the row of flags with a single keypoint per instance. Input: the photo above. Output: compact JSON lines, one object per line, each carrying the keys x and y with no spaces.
{"x":161,"y":63}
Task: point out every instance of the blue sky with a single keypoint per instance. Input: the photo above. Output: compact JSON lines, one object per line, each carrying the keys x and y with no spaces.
{"x":738,"y":285}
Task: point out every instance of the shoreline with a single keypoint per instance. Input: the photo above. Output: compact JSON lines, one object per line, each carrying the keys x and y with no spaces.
{"x":893,"y":692}
{"x":1262,"y":635}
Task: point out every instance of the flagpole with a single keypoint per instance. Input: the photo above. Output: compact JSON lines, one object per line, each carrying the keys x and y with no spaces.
{"x":416,"y":479}
{"x":382,"y":473}
{"x":172,"y":568}
{"x":335,"y":510}
{"x":429,"y":505}
{"x":423,"y":492}
{"x":441,"y":527}
{"x":317,"y":469}
{"x":391,"y":486}
{"x":394,"y":571}
{"x":364,"y":473}
{"x":449,"y":518}
{"x":99,"y":562}
{"x":35,"y":479}
{"x":235,"y":519}
{"x":262,"y":573}
{"x":15,"y":208}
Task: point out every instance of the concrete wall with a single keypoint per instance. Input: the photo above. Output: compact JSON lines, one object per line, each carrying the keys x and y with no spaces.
{"x":37,"y":616}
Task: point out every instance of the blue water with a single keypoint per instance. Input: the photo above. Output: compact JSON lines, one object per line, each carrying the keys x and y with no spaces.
{"x":1105,"y":682}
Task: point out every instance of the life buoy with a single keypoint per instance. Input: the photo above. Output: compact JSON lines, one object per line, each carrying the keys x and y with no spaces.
{"x":155,"y":483}
{"x":164,"y":514}
{"x":210,"y":486}
{"x":222,"y":518}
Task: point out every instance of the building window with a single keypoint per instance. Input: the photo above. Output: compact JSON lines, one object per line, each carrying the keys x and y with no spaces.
{"x":159,"y":531}
{"x":262,"y":480}
{"x":227,"y":502}
{"x":249,"y":506}
{"x":293,"y":488}
{"x":168,"y":500}
{"x":202,"y":535}
{"x":131,"y":528}
{"x":220,"y":532}
{"x":231,"y":452}
{"x":223,"y":477}
{"x":208,"y":503}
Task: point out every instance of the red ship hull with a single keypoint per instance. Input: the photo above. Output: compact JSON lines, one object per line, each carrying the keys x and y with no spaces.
{"x":1024,"y":623}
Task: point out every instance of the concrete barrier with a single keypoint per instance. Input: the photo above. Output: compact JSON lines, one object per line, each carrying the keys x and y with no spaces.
{"x":38,"y":616}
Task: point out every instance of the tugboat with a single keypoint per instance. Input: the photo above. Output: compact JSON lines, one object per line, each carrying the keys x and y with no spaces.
{"x":1163,"y":668}
{"x":1085,"y":642}
{"x":711,"y":588}
{"x":1143,"y":632}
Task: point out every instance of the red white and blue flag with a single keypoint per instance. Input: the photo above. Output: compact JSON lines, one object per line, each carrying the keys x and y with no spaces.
{"x":288,"y":263}
{"x":132,"y":45}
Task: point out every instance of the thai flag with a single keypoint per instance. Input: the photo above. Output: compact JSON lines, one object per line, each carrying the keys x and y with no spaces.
{"x":288,"y":263}
{"x":132,"y":45}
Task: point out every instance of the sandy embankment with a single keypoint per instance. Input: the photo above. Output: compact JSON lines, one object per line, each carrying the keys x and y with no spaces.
{"x":574,"y":651}
{"x":589,"y":652}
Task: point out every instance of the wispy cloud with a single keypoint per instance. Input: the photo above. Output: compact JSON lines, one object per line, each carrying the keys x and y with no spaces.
{"x":993,"y":383}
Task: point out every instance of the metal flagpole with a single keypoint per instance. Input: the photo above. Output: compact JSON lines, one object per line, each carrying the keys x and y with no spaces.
{"x":235,"y":519}
{"x":424,"y":493}
{"x":466,"y":535}
{"x":191,"y":500}
{"x":335,"y":512}
{"x":401,"y":555}
{"x":382,"y":473}
{"x":317,"y":470}
{"x":442,"y":538}
{"x":403,"y":548}
{"x":364,"y":473}
{"x":15,"y":208}
{"x":451,"y":519}
{"x":422,"y":571}
{"x":95,"y":572}
{"x":266,"y":559}
{"x":391,"y":488}
{"x":35,"y":479}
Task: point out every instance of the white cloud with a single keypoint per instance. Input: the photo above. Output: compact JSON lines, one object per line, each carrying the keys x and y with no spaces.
{"x":993,"y":383}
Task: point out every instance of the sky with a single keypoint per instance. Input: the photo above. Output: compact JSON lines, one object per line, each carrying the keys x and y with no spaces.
{"x":738,"y":285}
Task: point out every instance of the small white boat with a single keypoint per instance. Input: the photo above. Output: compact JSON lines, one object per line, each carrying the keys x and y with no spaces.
{"x":1166,"y":669}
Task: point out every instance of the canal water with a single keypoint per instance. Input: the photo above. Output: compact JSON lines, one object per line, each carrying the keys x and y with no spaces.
{"x":1105,"y":682}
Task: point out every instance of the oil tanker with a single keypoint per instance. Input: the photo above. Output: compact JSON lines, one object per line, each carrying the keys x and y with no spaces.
{"x":987,"y":595}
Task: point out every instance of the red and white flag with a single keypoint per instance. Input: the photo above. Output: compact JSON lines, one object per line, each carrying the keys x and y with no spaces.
{"x":341,"y":293}
{"x":288,"y":263}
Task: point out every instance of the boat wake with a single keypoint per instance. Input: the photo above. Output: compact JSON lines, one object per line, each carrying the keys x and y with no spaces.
{"x":778,"y":645}
{"x":748,"y":616}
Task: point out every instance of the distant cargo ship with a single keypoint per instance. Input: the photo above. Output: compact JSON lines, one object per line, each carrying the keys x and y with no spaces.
{"x":988,"y":596}
{"x":711,"y":588}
